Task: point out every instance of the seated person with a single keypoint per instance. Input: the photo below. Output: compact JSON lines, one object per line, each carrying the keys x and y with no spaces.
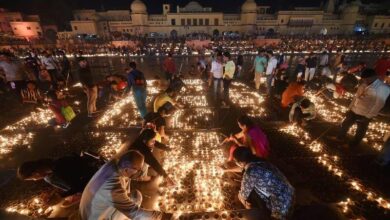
{"x":145,"y":144}
{"x":70,"y":174}
{"x":108,"y":194}
{"x":156,"y":121}
{"x":263,"y":186}
{"x":31,"y":93}
{"x":250,"y":136}
{"x":302,"y":110}
{"x":56,"y":103}
{"x":293,"y":91}
{"x":163,"y":98}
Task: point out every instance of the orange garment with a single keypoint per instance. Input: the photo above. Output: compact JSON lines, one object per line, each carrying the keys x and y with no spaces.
{"x":293,"y":90}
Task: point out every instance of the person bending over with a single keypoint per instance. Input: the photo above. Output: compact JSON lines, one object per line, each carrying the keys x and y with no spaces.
{"x":157,"y":122}
{"x":70,"y":174}
{"x":302,"y":111}
{"x":108,"y":194}
{"x":250,"y":136}
{"x":145,"y":144}
{"x":163,"y":98}
{"x":263,"y":185}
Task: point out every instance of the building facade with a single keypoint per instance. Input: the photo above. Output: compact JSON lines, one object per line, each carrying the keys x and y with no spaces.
{"x":252,"y":19}
{"x":20,"y":25}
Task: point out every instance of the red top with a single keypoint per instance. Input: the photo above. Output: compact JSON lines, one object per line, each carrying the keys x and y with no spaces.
{"x":381,"y":66}
{"x":293,"y":90}
{"x":169,"y":65}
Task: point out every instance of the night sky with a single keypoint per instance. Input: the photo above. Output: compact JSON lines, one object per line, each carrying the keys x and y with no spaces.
{"x":60,"y":11}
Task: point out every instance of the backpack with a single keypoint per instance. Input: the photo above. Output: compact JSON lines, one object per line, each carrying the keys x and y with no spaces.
{"x":68,"y":113}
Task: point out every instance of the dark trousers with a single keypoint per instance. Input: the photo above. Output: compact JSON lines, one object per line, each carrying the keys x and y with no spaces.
{"x":362,"y":126}
{"x":53,"y":75}
{"x":226,"y":87}
{"x":217,"y":87}
{"x":256,"y":202}
{"x":168,"y":76}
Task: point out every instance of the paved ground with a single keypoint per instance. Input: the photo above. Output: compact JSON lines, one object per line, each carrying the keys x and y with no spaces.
{"x":313,"y":180}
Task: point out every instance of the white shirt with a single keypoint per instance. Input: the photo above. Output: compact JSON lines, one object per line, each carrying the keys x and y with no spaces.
{"x":324,"y":60}
{"x":49,"y":63}
{"x":369,"y":100}
{"x":271,"y":66}
{"x":216,"y":69}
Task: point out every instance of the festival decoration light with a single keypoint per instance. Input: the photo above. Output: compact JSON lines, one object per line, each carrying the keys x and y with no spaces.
{"x":18,"y":134}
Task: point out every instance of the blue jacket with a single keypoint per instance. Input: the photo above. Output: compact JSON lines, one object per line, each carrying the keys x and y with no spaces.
{"x":134,"y":78}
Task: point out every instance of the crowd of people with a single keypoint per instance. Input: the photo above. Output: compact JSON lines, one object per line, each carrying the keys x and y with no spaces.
{"x":104,"y":191}
{"x":185,"y":47}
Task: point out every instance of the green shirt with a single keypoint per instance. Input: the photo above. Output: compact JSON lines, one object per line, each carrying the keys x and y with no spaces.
{"x":260,"y":63}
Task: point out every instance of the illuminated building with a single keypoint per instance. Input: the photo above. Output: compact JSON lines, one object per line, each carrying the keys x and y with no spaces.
{"x":252,"y":19}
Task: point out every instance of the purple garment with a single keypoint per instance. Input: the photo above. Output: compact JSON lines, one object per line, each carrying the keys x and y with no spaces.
{"x":259,"y":141}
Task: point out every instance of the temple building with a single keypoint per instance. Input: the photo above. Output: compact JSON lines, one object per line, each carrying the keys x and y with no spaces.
{"x":332,"y":17}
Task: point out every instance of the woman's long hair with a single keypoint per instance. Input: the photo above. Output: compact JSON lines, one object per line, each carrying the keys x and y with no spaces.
{"x":247,"y":121}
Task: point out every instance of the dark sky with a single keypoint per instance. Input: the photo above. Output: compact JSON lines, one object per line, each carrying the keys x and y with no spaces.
{"x":60,"y":11}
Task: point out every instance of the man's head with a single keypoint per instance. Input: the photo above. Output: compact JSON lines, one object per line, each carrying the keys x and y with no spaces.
{"x":83,"y":63}
{"x":133,"y":65}
{"x":305,"y":103}
{"x":270,"y":53}
{"x":219,"y":56}
{"x":130,"y":164}
{"x":368,"y":76}
{"x":35,"y":170}
{"x":226,"y":56}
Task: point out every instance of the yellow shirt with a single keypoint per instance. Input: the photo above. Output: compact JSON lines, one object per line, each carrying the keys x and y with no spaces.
{"x":230,"y":68}
{"x":161,"y":100}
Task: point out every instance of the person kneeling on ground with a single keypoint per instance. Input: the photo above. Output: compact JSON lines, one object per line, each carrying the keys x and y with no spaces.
{"x":59,"y":106}
{"x":145,"y":144}
{"x":250,"y":136}
{"x":163,"y":98}
{"x":156,"y":121}
{"x":108,"y":195}
{"x":70,"y":173}
{"x":302,"y":111}
{"x":263,"y":185}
